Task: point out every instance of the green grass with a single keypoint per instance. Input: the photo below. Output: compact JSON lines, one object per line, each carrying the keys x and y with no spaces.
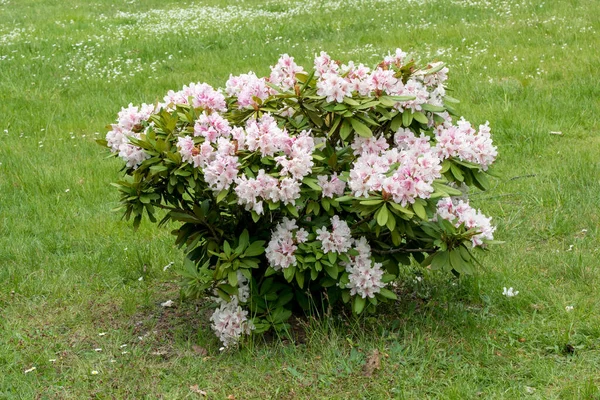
{"x":70,"y":268}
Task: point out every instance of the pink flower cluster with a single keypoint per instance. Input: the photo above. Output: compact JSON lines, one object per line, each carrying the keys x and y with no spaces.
{"x":331,"y":185}
{"x":365,"y":277}
{"x":292,"y":153}
{"x":212,"y":126}
{"x":201,"y":95}
{"x":338,"y":240}
{"x":465,"y":143}
{"x":335,"y":83}
{"x":230,"y":322}
{"x":246,"y":87}
{"x":460,"y":212}
{"x":220,"y":166}
{"x":283,"y":244}
{"x":284,"y":72}
{"x":405,"y":172}
{"x":129,"y":126}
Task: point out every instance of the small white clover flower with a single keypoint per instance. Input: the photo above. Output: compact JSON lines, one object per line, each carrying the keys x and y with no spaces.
{"x":94,"y":372}
{"x":510,"y":292}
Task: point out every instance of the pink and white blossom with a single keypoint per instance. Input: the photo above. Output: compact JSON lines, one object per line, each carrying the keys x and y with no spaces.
{"x":337,"y":239}
{"x":460,"y":212}
{"x":284,"y":72}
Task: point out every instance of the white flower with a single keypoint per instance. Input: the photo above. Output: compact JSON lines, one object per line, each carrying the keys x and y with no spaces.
{"x":510,"y":292}
{"x":569,"y":308}
{"x":94,"y":372}
{"x":168,"y":303}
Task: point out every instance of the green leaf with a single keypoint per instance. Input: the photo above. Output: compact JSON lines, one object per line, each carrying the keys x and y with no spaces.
{"x":315,"y":118}
{"x":312,"y":183}
{"x":388,"y":294}
{"x":332,"y":271}
{"x":419,"y":210}
{"x":402,"y":98}
{"x":440,"y":261}
{"x":396,"y":123}
{"x":481,"y":180}
{"x":459,"y":264}
{"x":435,"y":69}
{"x":407,"y":118}
{"x":403,"y":210}
{"x":243,"y":241}
{"x":289,"y":273}
{"x":222,"y":195}
{"x":336,"y":122}
{"x":345,"y":130}
{"x":391,"y":222}
{"x":358,"y":305}
{"x":292,"y":209}
{"x":222,"y":294}
{"x":360,"y":128}
{"x":432,"y":108}
{"x":420,"y":117}
{"x":345,"y":296}
{"x":226,"y":248}
{"x":351,"y":101}
{"x":232,"y":278}
{"x":371,"y":202}
{"x":300,"y":278}
{"x":382,"y":216}
{"x":457,"y":172}
{"x":255,"y":249}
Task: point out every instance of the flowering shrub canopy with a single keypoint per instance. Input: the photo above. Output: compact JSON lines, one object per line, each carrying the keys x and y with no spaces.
{"x":307,"y":183}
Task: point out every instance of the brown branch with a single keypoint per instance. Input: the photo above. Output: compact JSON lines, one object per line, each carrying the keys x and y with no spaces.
{"x":365,"y":219}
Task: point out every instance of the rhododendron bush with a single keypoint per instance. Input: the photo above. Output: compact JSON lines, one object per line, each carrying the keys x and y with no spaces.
{"x":307,"y":186}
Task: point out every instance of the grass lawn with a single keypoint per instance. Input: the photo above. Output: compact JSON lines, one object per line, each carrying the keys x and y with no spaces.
{"x":80,"y":291}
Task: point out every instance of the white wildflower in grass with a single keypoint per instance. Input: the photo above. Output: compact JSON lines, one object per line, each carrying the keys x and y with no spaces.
{"x":94,"y":372}
{"x":569,"y":308}
{"x":168,"y":303}
{"x":510,"y":292}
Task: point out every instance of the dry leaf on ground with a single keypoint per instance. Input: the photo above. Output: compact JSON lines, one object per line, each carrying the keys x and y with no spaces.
{"x":373,"y":363}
